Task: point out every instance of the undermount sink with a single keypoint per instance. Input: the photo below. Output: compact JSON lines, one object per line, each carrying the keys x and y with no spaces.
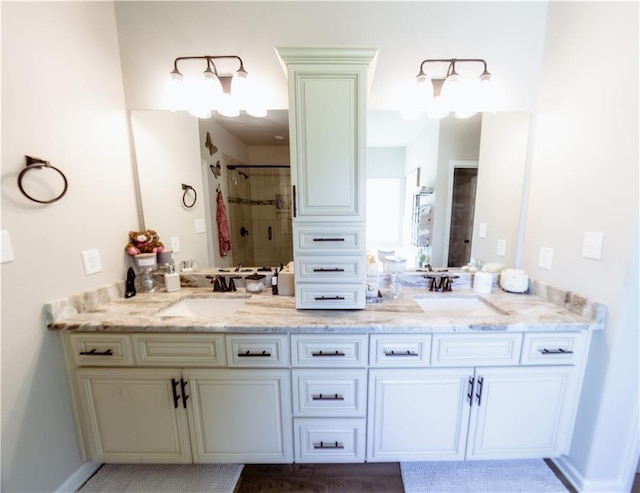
{"x":204,"y":308}
{"x":456,"y":305}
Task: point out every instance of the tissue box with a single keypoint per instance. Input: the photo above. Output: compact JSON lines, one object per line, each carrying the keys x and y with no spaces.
{"x":286,"y":282}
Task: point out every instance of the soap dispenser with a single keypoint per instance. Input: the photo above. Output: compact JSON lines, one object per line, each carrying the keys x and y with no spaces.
{"x":171,"y":279}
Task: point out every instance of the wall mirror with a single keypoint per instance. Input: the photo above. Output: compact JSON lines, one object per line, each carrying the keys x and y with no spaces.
{"x":474,"y":167}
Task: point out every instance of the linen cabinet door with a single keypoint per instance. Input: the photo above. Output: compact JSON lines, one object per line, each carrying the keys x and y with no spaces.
{"x":240,"y":416}
{"x":133,"y":415}
{"x":522,"y":413}
{"x":418,"y":414}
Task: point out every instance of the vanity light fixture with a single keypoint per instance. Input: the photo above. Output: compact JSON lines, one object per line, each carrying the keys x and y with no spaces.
{"x":464,"y":95}
{"x":217,"y":88}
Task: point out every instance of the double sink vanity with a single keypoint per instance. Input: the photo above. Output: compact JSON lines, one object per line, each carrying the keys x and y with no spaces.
{"x":197,"y":376}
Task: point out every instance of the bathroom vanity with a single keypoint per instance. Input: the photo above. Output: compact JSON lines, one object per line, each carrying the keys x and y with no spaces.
{"x":493,"y":376}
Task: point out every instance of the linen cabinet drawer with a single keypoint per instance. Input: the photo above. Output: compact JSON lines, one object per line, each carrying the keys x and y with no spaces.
{"x":476,"y":350}
{"x":101,"y":349}
{"x":337,"y":350}
{"x":320,"y":296}
{"x":410,"y":350}
{"x":179,"y":350}
{"x":332,"y":268}
{"x":254,"y":351}
{"x":329,"y":238}
{"x":567,"y":348}
{"x":324,"y":393}
{"x":329,"y":440}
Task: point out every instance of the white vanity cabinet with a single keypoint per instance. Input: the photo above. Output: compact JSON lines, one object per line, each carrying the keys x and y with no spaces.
{"x":327,"y":118}
{"x":178,"y":401}
{"x":480,"y":396}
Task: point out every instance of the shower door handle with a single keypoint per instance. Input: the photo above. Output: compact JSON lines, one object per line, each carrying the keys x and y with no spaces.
{"x":270,"y":233}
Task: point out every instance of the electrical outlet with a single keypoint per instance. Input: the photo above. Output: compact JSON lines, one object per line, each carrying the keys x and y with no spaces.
{"x":502,"y":248}
{"x":91,"y":262}
{"x":6,"y":252}
{"x":175,"y":244}
{"x":546,"y":258}
{"x":200,"y":226}
{"x":482,"y":232}
{"x":592,"y":245}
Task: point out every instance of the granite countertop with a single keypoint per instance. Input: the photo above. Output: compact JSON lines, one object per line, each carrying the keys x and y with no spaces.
{"x":271,"y":314}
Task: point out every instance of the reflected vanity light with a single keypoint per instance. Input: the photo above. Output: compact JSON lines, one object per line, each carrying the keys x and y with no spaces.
{"x":464,"y":95}
{"x":212,"y":89}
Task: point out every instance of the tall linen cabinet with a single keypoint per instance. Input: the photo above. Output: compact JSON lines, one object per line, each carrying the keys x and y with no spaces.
{"x":327,"y":127}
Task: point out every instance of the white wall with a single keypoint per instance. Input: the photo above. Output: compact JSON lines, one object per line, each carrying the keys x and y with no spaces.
{"x":585,"y":178}
{"x":62,"y":100}
{"x":167,"y":151}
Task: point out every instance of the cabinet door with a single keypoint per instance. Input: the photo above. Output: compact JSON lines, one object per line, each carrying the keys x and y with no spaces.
{"x":240,"y":415}
{"x":418,"y":414}
{"x":131,"y":415}
{"x":522,"y":412}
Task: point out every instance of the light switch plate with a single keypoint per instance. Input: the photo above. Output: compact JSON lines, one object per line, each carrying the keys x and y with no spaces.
{"x":482,"y":231}
{"x":200,"y":226}
{"x":546,"y":258}
{"x":91,"y":262}
{"x":502,"y":248}
{"x":6,"y":252}
{"x":592,"y":245}
{"x":175,"y":244}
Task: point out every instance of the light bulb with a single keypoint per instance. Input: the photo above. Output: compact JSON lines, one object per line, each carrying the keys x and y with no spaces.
{"x":240,"y":86}
{"x":228,"y":106}
{"x":211,"y":89}
{"x":174,"y":91}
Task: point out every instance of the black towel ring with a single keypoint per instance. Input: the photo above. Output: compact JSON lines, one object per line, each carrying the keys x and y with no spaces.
{"x":186,"y":189}
{"x":37,"y":163}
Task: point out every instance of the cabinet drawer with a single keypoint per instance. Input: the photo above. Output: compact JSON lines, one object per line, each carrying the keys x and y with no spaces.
{"x":253,"y":351}
{"x":329,"y":238}
{"x":179,"y":349}
{"x":332,"y":268}
{"x":101,"y":349}
{"x":566,"y":348}
{"x":319,"y":296}
{"x":329,"y":440}
{"x":481,"y":349}
{"x":321,"y":351}
{"x":410,"y":350}
{"x":324,"y":393}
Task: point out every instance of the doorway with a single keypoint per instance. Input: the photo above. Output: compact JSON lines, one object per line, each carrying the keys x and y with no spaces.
{"x":463,"y":200}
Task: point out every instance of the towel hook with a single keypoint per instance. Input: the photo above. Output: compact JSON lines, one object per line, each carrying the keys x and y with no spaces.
{"x":37,"y":163}
{"x":186,"y":189}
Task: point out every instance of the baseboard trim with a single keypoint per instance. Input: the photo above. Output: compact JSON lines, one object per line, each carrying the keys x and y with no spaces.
{"x":585,"y":486}
{"x":79,"y":477}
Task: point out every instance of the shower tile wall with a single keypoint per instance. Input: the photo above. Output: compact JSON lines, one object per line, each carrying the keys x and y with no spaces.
{"x":257,"y":203}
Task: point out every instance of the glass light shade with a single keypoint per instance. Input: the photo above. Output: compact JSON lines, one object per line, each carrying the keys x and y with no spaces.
{"x":211,"y":89}
{"x":228,"y":106}
{"x":257,"y":110}
{"x":174,"y":90}
{"x":437,"y":108}
{"x":466,"y":102}
{"x":451,"y":88}
{"x":240,"y":86}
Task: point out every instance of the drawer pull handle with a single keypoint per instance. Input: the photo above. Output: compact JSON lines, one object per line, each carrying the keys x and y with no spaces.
{"x":183,"y":385}
{"x":249,"y":354}
{"x":95,"y":352}
{"x":470,"y":394}
{"x":331,"y":445}
{"x":324,"y":353}
{"x":555,"y":351}
{"x":400,"y":353}
{"x":322,"y":269}
{"x":324,"y":397}
{"x":329,"y":298}
{"x":176,"y":397}
{"x":328,"y":239}
{"x":479,"y":392}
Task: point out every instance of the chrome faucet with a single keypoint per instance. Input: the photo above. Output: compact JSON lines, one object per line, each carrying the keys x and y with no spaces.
{"x":238,"y":267}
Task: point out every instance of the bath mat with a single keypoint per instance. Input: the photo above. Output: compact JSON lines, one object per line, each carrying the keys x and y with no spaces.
{"x":508,"y":476}
{"x":164,"y":478}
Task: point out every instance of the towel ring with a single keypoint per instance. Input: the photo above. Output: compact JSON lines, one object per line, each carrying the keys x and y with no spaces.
{"x":36,"y":163}
{"x":186,"y":189}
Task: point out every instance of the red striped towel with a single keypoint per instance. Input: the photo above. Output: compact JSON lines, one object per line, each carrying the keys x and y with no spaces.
{"x":224,"y":233}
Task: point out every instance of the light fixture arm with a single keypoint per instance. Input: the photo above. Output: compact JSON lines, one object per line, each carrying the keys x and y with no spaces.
{"x":451,"y":69}
{"x":210,"y":62}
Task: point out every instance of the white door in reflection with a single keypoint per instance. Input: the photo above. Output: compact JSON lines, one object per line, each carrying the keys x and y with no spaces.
{"x":385,"y":198}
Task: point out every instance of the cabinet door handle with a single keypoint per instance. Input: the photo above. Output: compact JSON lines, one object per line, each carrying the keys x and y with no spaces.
{"x":328,"y":239}
{"x":295,"y":202}
{"x":329,"y":298}
{"x":325,"y":397}
{"x":400,"y":353}
{"x":556,"y":351}
{"x":479,"y":392}
{"x":470,"y":394}
{"x":249,"y":354}
{"x":183,"y":386}
{"x":330,"y":445}
{"x":322,"y":269}
{"x":324,"y":353}
{"x":95,"y":352}
{"x":176,"y":397}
